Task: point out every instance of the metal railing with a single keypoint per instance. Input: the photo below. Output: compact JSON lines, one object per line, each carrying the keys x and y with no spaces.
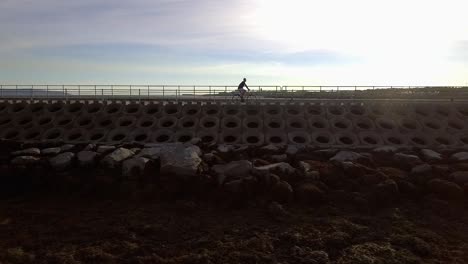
{"x":221,"y":92}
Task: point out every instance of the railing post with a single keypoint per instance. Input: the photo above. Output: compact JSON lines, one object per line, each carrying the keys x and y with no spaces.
{"x":63,"y":91}
{"x":112,"y":91}
{"x":139,"y":95}
{"x":16,"y":91}
{"x":148,"y":93}
{"x":95,"y":93}
{"x":163,"y":93}
{"x":79,"y":90}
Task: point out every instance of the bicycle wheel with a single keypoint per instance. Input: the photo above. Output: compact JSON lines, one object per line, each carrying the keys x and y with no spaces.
{"x":235,"y":98}
{"x":251,"y":97}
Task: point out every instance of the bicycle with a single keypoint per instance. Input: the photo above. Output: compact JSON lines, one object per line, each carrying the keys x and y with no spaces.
{"x":249,"y":96}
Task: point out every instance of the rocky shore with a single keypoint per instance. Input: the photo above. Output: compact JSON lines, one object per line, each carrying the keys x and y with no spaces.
{"x":196,"y":203}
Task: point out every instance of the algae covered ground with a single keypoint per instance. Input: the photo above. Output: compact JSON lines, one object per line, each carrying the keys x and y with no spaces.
{"x":81,"y":229}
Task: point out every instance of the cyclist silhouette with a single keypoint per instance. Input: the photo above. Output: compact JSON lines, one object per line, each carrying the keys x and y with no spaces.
{"x":241,"y":89}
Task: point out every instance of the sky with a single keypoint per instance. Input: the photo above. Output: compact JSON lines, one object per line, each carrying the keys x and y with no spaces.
{"x":219,"y":42}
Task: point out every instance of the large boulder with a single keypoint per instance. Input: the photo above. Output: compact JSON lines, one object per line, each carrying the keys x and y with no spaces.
{"x":345,"y":155}
{"x":445,"y":190}
{"x":86,"y":158}
{"x":27,"y":152}
{"x":62,"y":161}
{"x":406,"y":160}
{"x":460,"y":177}
{"x":430,"y":155}
{"x":114,"y":159}
{"x":460,"y":156}
{"x":234,"y":169}
{"x":51,"y":151}
{"x":282,"y":169}
{"x":25,"y":161}
{"x":180,"y":160}
{"x":134,"y":167}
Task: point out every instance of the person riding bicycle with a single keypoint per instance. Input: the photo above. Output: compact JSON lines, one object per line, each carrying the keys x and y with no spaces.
{"x":241,"y":89}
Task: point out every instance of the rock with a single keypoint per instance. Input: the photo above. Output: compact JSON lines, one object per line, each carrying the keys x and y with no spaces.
{"x":386,"y":192}
{"x":354,"y":170}
{"x":25,"y":161}
{"x":385,"y":150}
{"x":135,"y":150}
{"x":66,"y":147}
{"x":421,"y":169}
{"x":307,"y":255}
{"x":277,"y":210}
{"x":90,"y":147}
{"x":212,"y":158}
{"x":105,"y":149}
{"x":281,"y":169}
{"x":282,"y":192}
{"x":113,"y":160}
{"x":134,"y":167}
{"x":430,"y":155}
{"x":150,"y":153}
{"x":407,"y":160}
{"x":460,"y":156}
{"x":234,"y":169}
{"x":62,"y":161}
{"x":445,"y":190}
{"x":279,"y":158}
{"x":272,"y":148}
{"x":86,"y":158}
{"x":222,"y":148}
{"x":370,"y":252}
{"x":51,"y":151}
{"x":27,"y":152}
{"x":465,"y":188}
{"x":291,"y":150}
{"x":460,"y":177}
{"x":309,"y":174}
{"x":180,"y":160}
{"x":421,"y":174}
{"x":326,"y":153}
{"x":309,"y":193}
{"x":344,"y":155}
{"x":195,"y":141}
{"x":393,"y":173}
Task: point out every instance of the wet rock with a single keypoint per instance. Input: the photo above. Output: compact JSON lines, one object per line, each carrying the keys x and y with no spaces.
{"x":421,"y":174}
{"x":353,"y":170}
{"x":113,"y":160}
{"x":394,"y":173}
{"x":234,"y":169}
{"x":291,"y":150}
{"x":51,"y":151}
{"x":62,"y":161}
{"x":406,"y":160}
{"x":27,"y":152}
{"x":66,"y":147}
{"x":225,"y":148}
{"x":267,"y":180}
{"x":105,"y":149}
{"x":325,"y":153}
{"x":150,"y":153}
{"x":271,"y":149}
{"x":309,"y":193}
{"x":445,"y":190}
{"x":430,"y":155}
{"x":460,"y":177}
{"x":460,"y":156}
{"x":279,"y":158}
{"x":90,"y":147}
{"x":86,"y":158}
{"x":408,"y":188}
{"x":281,"y":169}
{"x":25,"y":161}
{"x":385,"y":150}
{"x":134,"y":167}
{"x":414,"y":244}
{"x":212,"y":158}
{"x":282,"y":192}
{"x":345,"y":155}
{"x":181,"y":161}
{"x":259,"y":162}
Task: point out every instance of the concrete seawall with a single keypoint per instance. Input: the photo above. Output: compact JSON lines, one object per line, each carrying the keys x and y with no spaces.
{"x":338,"y":124}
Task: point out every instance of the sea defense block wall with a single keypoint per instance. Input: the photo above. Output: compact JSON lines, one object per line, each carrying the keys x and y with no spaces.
{"x":322,"y":124}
